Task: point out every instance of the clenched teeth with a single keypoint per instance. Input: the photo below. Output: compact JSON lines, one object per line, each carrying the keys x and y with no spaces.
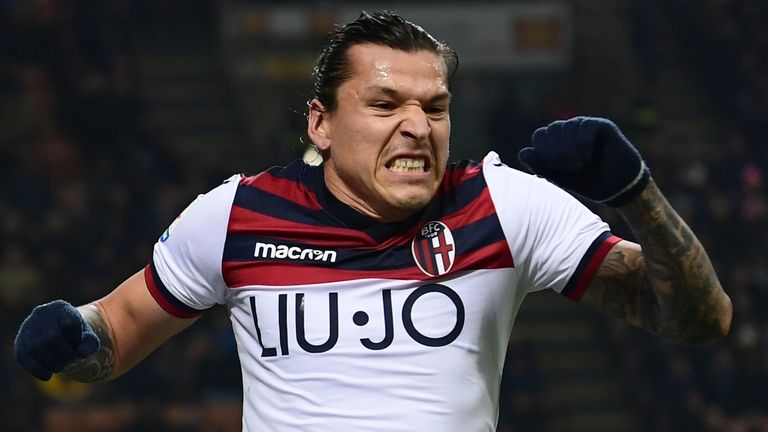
{"x":407,"y":165}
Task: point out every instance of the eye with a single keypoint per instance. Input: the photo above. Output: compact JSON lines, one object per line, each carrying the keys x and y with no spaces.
{"x":436,"y":110}
{"x":383,"y":105}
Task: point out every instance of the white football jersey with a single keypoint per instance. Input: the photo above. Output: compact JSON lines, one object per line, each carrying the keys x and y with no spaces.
{"x":347,"y":324}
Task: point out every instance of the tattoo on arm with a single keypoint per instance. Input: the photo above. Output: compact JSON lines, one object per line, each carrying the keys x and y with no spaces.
{"x":668,"y":288}
{"x":101,"y":364}
{"x":619,"y":269}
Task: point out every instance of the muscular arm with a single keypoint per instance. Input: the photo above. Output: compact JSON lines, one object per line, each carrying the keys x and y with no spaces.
{"x":130,"y":325}
{"x":668,"y":286}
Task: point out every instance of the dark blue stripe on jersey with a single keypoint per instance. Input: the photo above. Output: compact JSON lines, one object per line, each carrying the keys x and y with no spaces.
{"x":257,"y":200}
{"x":461,"y":196}
{"x":462,"y":164}
{"x":298,"y":171}
{"x":477,"y":235}
{"x":571,"y":285}
{"x":242,"y":248}
{"x":167,"y":294}
{"x":468,"y":238}
{"x":239,"y":247}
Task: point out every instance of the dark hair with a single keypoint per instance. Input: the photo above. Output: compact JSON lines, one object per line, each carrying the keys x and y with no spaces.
{"x":381,"y":28}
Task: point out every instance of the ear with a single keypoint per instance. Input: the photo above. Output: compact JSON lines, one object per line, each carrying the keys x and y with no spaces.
{"x":319,"y":126}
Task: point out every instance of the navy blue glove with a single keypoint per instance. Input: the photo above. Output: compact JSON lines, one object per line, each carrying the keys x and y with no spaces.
{"x":51,"y":337}
{"x":588,"y":156}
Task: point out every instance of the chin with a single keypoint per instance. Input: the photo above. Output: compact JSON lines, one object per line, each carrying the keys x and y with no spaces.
{"x":407,"y":199}
{"x":411,"y":204}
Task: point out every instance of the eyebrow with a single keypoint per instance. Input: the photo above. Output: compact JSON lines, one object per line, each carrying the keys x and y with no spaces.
{"x":389,"y":91}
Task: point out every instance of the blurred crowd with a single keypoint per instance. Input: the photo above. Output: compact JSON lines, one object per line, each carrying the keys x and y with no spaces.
{"x":723,"y":198}
{"x":87,"y":189}
{"x":88,"y":186}
{"x":730,"y":33}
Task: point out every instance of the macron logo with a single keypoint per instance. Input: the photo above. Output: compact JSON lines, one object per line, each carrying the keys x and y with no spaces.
{"x":271,"y":251}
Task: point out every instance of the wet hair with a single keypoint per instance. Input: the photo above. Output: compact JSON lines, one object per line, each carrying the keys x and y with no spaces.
{"x":383,"y":28}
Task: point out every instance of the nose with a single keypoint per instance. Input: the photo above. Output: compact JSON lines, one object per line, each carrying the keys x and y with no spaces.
{"x":415,"y":124}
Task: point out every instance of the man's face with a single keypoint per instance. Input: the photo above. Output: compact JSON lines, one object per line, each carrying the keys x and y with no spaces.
{"x":387,"y":142}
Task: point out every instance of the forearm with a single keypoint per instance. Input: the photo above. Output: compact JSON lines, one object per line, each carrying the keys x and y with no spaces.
{"x":687,"y":302}
{"x":101,"y":365}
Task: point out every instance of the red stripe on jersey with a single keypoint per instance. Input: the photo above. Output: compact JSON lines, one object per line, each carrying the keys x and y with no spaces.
{"x":479,"y":208}
{"x":240,"y":274}
{"x":457,"y":176}
{"x":494,"y":256}
{"x":290,"y":190}
{"x":594,"y":263}
{"x":244,"y":221}
{"x":161,"y":299}
{"x":428,"y":258}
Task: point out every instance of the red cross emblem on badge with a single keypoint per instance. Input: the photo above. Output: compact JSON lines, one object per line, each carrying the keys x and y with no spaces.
{"x":433,"y":249}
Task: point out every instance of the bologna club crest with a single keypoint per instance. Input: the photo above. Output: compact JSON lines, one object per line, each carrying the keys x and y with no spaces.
{"x":434,"y":249}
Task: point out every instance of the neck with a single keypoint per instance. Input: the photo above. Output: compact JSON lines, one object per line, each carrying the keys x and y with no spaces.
{"x":342,"y":193}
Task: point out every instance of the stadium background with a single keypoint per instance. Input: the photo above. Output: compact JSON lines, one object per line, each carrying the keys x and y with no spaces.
{"x":115,"y":114}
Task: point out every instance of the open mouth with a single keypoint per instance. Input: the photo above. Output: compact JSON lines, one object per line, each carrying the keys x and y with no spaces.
{"x":408,"y":165}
